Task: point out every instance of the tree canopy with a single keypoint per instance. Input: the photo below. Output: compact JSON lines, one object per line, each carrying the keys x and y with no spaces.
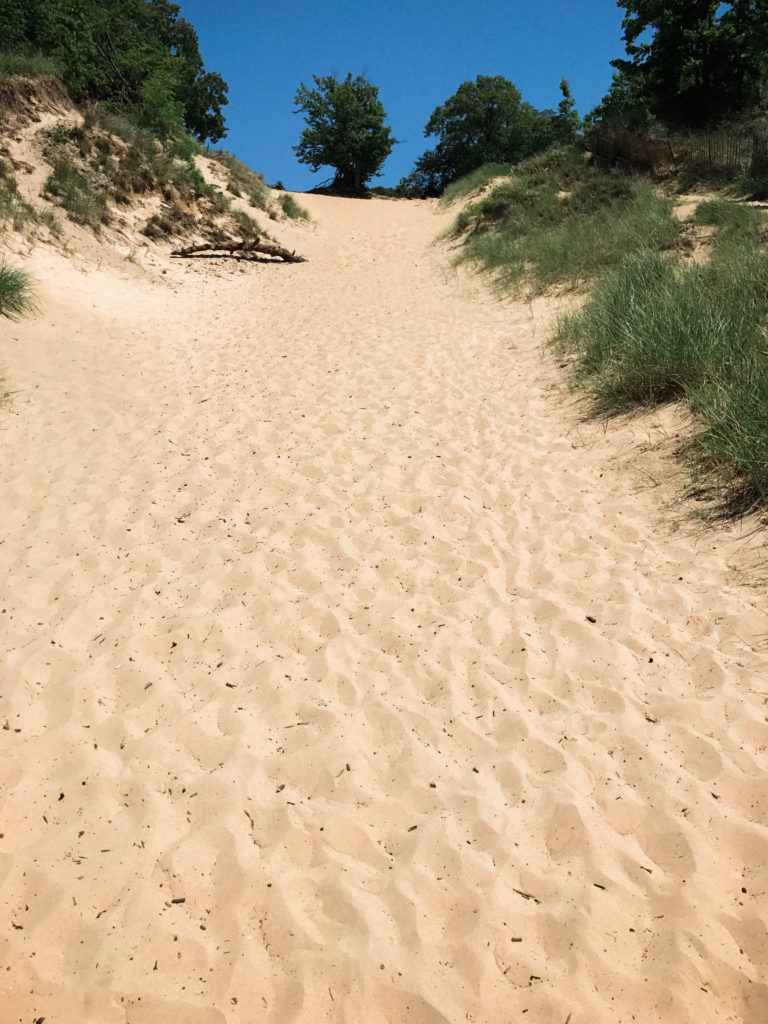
{"x":486,"y":121}
{"x":135,"y":54}
{"x":690,"y":62}
{"x":345,"y":130}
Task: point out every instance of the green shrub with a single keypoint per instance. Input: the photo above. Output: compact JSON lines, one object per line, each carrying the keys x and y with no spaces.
{"x":16,"y":292}
{"x":292,"y":209}
{"x":71,"y":188}
{"x":754,"y":184}
{"x":185,"y":149}
{"x":195,"y":182}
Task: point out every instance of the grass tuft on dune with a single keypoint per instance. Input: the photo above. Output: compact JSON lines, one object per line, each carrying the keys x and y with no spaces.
{"x":17,"y":296}
{"x":561,"y":224}
{"x":655,"y":328}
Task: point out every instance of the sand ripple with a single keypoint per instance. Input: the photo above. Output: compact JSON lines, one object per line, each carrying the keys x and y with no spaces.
{"x":348,"y":675}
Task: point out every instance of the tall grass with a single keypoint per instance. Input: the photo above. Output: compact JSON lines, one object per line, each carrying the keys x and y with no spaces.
{"x":14,"y":209}
{"x":529,"y":232}
{"x":16,"y":292}
{"x":653,"y":330}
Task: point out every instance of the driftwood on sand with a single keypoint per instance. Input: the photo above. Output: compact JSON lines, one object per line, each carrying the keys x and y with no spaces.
{"x":252,"y":245}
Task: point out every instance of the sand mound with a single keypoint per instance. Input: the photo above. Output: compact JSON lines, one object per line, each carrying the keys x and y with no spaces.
{"x":347,"y":673}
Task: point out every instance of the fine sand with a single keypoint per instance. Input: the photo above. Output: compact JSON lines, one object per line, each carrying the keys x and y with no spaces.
{"x":350,"y":673}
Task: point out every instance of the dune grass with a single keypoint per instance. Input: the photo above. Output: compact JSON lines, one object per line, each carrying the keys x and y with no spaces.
{"x":473,"y":182}
{"x":14,"y":209}
{"x":242,"y":181}
{"x":654,"y":330}
{"x":248,"y":226}
{"x":17,"y":296}
{"x":291,"y":209}
{"x":530,"y":232}
{"x":73,"y":191}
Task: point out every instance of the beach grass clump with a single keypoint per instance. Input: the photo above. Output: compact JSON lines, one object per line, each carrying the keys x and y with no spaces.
{"x":14,"y":209}
{"x":474,"y":181}
{"x":17,"y":296}
{"x":83,"y":204}
{"x":530,"y":232}
{"x":248,"y":227}
{"x":654,"y":330}
{"x":292,"y":209}
{"x":732,"y":219}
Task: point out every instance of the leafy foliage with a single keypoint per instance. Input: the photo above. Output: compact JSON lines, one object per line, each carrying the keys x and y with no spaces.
{"x":691,"y":62}
{"x":138,"y":55}
{"x":29,"y":65}
{"x":345,"y":130}
{"x":487,"y":122}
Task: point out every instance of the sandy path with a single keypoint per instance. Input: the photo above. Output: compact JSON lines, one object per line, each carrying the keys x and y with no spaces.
{"x":308,"y":719}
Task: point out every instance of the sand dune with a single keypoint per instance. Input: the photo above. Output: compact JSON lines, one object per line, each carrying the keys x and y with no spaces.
{"x":348,"y":673}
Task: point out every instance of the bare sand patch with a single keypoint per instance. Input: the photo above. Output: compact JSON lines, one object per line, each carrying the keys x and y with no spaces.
{"x":348,"y":674}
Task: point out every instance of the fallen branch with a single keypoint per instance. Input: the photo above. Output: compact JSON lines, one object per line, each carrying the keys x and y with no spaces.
{"x":252,"y":245}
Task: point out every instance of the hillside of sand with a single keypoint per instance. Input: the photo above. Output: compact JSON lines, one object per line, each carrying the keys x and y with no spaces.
{"x":350,"y":673}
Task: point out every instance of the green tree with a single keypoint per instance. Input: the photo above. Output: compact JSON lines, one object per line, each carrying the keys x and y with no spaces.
{"x":138,"y":55}
{"x":345,"y":130}
{"x":566,"y":122}
{"x":690,"y":62}
{"x":485,"y":121}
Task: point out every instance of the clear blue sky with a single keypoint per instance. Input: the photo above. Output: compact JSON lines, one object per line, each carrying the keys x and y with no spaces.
{"x":416,"y":53}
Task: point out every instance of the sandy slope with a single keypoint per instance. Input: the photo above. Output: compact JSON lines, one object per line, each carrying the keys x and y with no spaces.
{"x":348,"y":675}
